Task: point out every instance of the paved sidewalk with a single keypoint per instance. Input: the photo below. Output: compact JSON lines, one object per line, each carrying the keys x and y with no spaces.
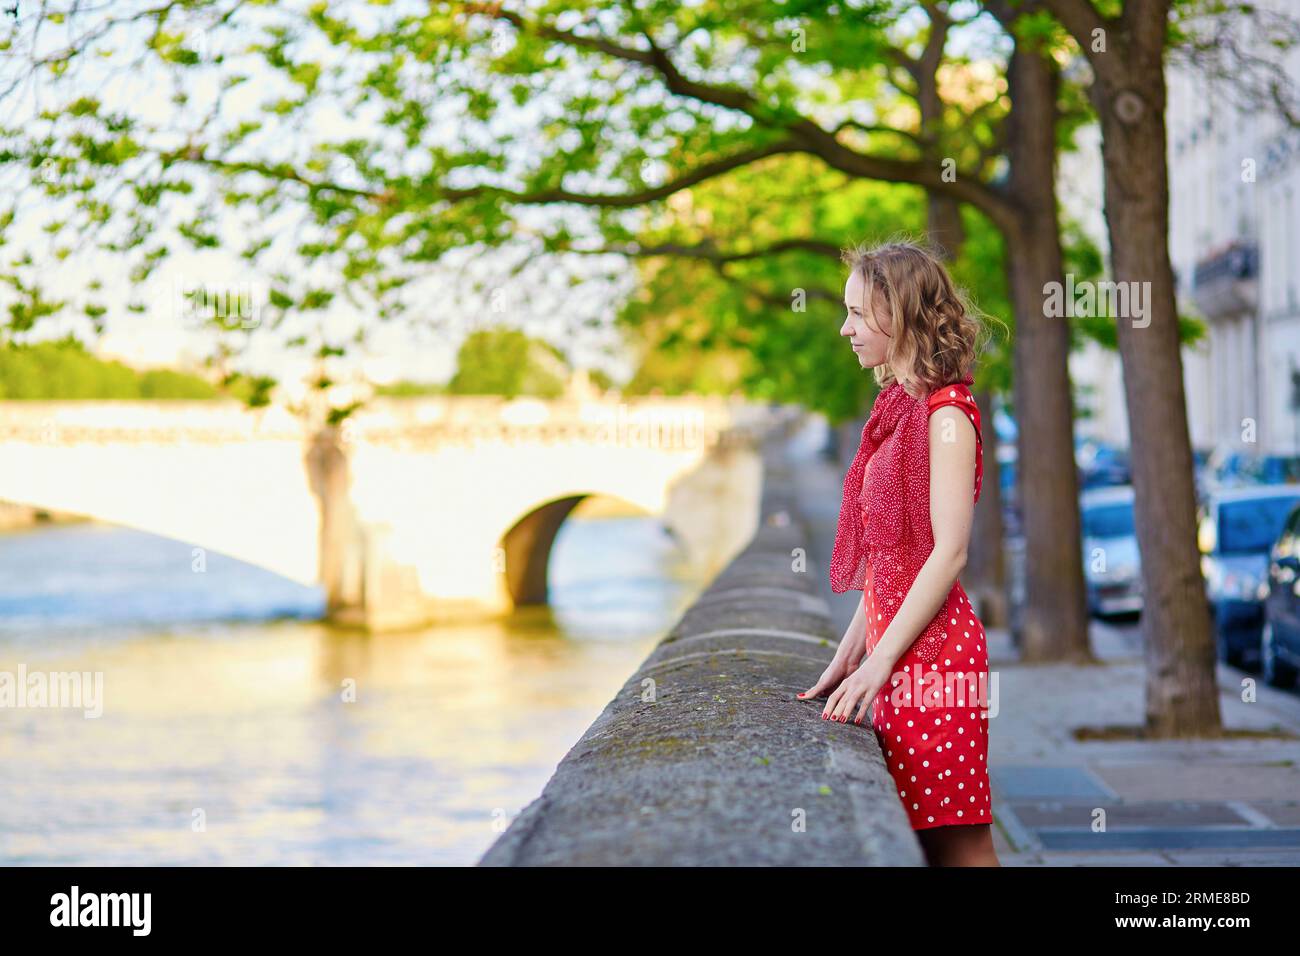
{"x":1233,"y":801}
{"x":1059,"y":800}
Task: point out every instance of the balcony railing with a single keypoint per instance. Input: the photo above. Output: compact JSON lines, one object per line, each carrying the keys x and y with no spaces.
{"x":1226,"y":282}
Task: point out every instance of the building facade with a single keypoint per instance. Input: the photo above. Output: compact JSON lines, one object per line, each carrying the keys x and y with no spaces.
{"x":1234,"y":237}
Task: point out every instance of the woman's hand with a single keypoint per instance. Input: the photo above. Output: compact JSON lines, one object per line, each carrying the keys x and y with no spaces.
{"x":836,"y":671}
{"x":858,"y":690}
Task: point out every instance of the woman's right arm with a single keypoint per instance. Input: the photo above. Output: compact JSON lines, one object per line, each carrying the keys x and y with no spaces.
{"x":853,"y":645}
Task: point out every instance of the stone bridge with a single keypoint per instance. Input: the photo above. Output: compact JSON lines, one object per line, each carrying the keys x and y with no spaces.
{"x":411,"y":511}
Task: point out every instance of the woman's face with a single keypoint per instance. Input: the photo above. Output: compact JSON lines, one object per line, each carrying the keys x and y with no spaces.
{"x":869,"y":333}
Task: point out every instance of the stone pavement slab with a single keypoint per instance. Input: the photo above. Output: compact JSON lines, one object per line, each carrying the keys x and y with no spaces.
{"x":1064,"y":816}
{"x":1209,"y":779}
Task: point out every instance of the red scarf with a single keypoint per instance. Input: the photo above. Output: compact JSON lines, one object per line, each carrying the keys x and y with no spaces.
{"x":886,"y":521}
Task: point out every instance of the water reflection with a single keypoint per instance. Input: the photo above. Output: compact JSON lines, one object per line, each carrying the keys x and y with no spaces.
{"x":232,"y":743}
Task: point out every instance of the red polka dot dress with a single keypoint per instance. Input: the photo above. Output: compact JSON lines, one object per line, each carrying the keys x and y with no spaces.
{"x":930,"y":719}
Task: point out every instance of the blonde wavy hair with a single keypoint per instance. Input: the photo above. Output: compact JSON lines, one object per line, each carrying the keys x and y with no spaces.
{"x":936,"y":333}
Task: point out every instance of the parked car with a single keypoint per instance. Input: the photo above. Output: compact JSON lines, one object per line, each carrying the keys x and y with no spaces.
{"x":1101,"y":464}
{"x":1236,"y":532}
{"x":1236,"y":469}
{"x":1277,"y":469}
{"x":1280,"y":637}
{"x":1111,"y":565}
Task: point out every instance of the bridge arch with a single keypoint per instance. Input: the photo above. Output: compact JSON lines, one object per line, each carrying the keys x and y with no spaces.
{"x":526,"y":546}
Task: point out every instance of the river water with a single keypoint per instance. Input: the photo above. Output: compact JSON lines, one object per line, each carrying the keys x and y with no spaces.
{"x":238,"y":729}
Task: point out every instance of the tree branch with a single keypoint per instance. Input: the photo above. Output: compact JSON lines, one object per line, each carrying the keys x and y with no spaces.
{"x":863,"y":127}
{"x":1081,"y":19}
{"x":695,"y":176}
{"x":812,"y":137}
{"x":709,"y":252}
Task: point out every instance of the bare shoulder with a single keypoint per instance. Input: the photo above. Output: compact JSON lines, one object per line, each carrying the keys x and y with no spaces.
{"x":949,"y":425}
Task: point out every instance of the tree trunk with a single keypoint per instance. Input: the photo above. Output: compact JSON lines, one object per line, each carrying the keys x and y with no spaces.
{"x":944,"y":226}
{"x":1054,"y":626}
{"x":1181,"y":692}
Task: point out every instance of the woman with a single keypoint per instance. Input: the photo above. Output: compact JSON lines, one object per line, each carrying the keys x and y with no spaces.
{"x":904,"y":526}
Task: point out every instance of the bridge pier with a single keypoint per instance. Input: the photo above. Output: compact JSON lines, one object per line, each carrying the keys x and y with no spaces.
{"x":367,"y":584}
{"x":342,"y":557}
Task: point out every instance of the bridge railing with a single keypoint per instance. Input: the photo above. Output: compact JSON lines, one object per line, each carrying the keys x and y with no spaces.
{"x":705,"y":756}
{"x":664,"y":423}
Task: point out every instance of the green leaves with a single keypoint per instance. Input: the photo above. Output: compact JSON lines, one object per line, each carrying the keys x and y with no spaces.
{"x":28,"y":304}
{"x":63,"y":369}
{"x":171,"y":48}
{"x":505,"y":361}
